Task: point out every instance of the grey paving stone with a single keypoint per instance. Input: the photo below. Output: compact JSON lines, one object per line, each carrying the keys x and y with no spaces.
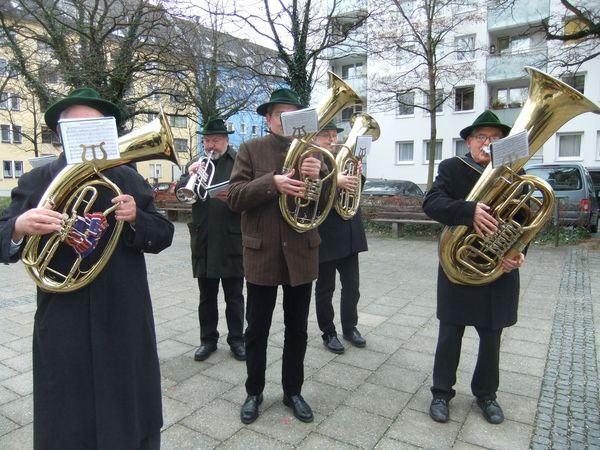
{"x":182,"y":438}
{"x":19,"y":410}
{"x":317,"y":441}
{"x":416,"y":428}
{"x":506,"y":436}
{"x":355,"y":427}
{"x":214,"y":420}
{"x":378,"y":400}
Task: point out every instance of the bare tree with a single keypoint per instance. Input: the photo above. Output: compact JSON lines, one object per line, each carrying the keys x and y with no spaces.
{"x":575,"y":28}
{"x":301,"y":32}
{"x":420,"y":57}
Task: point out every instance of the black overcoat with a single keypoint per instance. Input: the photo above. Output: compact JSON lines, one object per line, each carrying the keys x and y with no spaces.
{"x":493,"y":305}
{"x":221,"y":255}
{"x":96,"y":379}
{"x":340,"y":238}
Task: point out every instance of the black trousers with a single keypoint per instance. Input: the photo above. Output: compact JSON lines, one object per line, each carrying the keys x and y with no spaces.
{"x":208,"y":311}
{"x":324,"y":288}
{"x":259,"y":314}
{"x":486,"y":376}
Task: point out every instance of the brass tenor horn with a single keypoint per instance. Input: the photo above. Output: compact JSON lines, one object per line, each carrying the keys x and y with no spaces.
{"x":348,"y":160}
{"x":467,"y":258}
{"x":74,"y":191}
{"x":199,"y":182}
{"x":307,"y":213}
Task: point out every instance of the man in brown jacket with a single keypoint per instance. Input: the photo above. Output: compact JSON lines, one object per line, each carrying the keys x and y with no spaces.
{"x":274,"y":254}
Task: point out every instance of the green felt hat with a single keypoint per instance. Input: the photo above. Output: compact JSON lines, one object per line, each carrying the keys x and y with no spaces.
{"x":280,"y":96}
{"x":83,"y":96}
{"x":332,"y":126}
{"x":485,"y":119}
{"x":215,"y":126}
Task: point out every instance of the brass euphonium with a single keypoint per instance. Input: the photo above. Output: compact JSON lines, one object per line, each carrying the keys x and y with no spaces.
{"x":469,"y":259}
{"x":307,"y":213}
{"x":75,"y":190}
{"x":348,"y":161}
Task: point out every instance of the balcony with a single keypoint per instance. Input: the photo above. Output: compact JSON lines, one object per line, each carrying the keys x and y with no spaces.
{"x":523,"y":12}
{"x":510,"y":66}
{"x":358,"y":84}
{"x":506,"y":113}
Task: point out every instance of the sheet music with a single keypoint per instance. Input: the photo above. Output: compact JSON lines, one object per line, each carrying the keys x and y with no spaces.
{"x":85,"y":140}
{"x":510,"y":149}
{"x":300,"y":123}
{"x":363,"y":146}
{"x":216,"y":188}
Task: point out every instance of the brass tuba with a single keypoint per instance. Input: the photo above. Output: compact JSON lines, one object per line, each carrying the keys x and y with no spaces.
{"x":75,"y":190}
{"x":469,"y":259}
{"x":348,"y":160}
{"x":306,"y":213}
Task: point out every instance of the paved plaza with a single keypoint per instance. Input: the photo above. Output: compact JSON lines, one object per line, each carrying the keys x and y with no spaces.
{"x":376,"y":397}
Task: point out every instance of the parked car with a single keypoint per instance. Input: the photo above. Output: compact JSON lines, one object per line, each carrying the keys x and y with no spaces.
{"x":164,"y":195}
{"x":381,"y":198}
{"x":574,"y":190}
{"x":595,"y":174}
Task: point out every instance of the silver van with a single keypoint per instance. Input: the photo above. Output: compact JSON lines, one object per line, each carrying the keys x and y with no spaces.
{"x":574,"y":190}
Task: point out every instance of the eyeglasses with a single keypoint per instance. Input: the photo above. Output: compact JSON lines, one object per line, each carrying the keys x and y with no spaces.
{"x":483,"y":138}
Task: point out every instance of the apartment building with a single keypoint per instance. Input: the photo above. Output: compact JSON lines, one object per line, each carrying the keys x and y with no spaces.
{"x":498,"y":47}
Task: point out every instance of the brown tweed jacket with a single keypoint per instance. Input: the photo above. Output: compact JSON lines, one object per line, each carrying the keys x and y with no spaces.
{"x":274,"y":253}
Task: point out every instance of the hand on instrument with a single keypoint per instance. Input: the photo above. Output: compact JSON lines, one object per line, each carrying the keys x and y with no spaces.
{"x":127,"y":209}
{"x":347,"y":182}
{"x":513,"y":263}
{"x":37,"y":221}
{"x":311,"y":167}
{"x":483,"y":222}
{"x":285,"y":184}
{"x":193,"y":168}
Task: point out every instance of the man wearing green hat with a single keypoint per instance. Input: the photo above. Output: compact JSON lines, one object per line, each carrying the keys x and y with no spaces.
{"x":274,"y":254}
{"x":490,"y":307}
{"x":216,"y":245}
{"x":96,"y":378}
{"x":341,"y":242}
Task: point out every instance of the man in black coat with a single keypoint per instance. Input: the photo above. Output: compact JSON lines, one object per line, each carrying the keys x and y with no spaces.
{"x":341,"y":242}
{"x":96,"y":378}
{"x":490,"y":307}
{"x":216,"y":244}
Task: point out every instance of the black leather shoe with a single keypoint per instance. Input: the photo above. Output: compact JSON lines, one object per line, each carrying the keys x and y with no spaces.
{"x":204,"y":351}
{"x":249,"y":412}
{"x":438,"y":410}
{"x":491,"y":411}
{"x":239,"y":352}
{"x":333,"y":344}
{"x":301,"y":409}
{"x":355,"y":338}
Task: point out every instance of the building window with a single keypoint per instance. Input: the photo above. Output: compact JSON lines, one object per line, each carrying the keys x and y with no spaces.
{"x":5,"y":132}
{"x":569,"y":145}
{"x":406,"y":103}
{"x":464,"y":98}
{"x":352,"y":71}
{"x":7,"y":69}
{"x":156,"y":171}
{"x":348,"y":112}
{"x":230,"y":126}
{"x":465,"y":48}
{"x":17,"y":137}
{"x":405,"y":152}
{"x":18,"y":165}
{"x":575,"y":80}
{"x":180,"y":145}
{"x":514,"y":45}
{"x":7,"y":169}
{"x":460,"y":147}
{"x":49,"y":75}
{"x":439,"y":100}
{"x":254,"y":130}
{"x":152,"y":93}
{"x":10,"y":101}
{"x":510,"y":97}
{"x":438,"y":151}
{"x":49,"y":136}
{"x":178,"y":121}
{"x":151,"y":117}
{"x":242,"y":128}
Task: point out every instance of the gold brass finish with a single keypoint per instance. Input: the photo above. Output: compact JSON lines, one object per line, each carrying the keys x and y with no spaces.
{"x":469,"y":259}
{"x":348,"y":160}
{"x":74,"y":188}
{"x":307,"y":213}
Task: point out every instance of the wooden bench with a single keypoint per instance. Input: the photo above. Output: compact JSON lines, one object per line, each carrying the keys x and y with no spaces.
{"x":397,"y":213}
{"x":399,"y":222}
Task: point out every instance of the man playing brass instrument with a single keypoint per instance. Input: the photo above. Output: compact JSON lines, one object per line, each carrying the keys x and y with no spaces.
{"x":490,"y":307}
{"x":274,"y":254}
{"x":341,"y":241}
{"x":216,"y":245}
{"x":96,"y":378}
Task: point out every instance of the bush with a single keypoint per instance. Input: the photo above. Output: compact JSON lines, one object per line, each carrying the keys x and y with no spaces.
{"x":566,"y":235}
{"x":4,"y":201}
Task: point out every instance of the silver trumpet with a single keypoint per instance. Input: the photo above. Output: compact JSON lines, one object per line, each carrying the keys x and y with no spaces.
{"x":199,"y":182}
